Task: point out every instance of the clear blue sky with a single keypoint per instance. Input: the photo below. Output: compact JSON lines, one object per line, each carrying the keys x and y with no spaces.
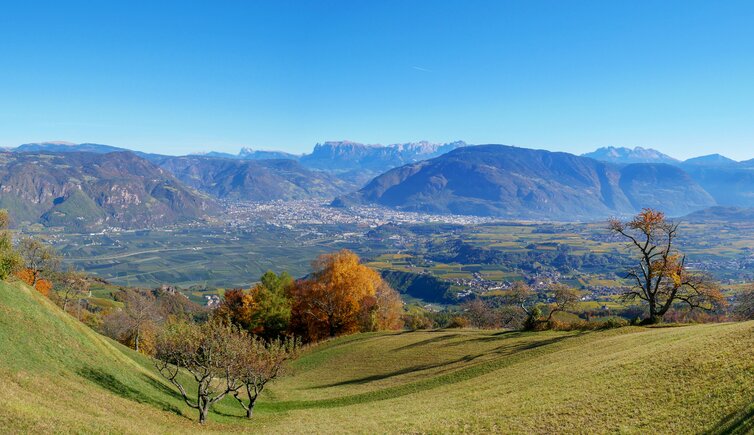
{"x":186,"y":76}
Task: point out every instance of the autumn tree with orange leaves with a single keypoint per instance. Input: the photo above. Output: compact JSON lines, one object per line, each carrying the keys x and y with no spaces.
{"x":40,"y":260}
{"x":342,"y":296}
{"x":661,"y":277}
{"x":42,"y":285}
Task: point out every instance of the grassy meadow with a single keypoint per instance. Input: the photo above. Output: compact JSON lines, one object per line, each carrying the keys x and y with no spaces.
{"x":60,"y":376}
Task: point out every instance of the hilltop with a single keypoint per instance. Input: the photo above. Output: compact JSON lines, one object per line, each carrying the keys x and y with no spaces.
{"x":426,"y":381}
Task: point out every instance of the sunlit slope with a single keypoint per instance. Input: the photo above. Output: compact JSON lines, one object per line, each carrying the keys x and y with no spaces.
{"x":58,"y":375}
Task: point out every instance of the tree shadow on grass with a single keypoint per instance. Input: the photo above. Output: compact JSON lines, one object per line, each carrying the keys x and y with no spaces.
{"x":739,"y":422}
{"x":115,"y":386}
{"x":501,"y":335}
{"x":403,"y":371}
{"x":428,"y":341}
{"x":447,"y":378}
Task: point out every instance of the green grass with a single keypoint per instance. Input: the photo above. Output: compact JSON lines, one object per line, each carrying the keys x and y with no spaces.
{"x":59,"y":376}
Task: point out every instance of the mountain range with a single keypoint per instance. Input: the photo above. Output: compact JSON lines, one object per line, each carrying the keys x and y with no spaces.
{"x":730,"y":183}
{"x":90,"y":185}
{"x":254,"y":180}
{"x":506,"y":181}
{"x":85,"y":190}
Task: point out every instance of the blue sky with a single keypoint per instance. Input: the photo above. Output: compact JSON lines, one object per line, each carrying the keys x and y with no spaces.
{"x":180,"y":77}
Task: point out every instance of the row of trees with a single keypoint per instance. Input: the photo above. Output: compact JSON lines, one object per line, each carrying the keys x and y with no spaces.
{"x":340,"y":296}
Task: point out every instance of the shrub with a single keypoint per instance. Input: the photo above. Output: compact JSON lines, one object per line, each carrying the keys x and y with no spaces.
{"x":458,"y":322}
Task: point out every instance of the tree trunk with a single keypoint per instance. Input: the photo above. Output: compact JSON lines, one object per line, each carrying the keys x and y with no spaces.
{"x":203,"y":411}
{"x":136,"y":341}
{"x":653,"y":319}
{"x":252,"y":402}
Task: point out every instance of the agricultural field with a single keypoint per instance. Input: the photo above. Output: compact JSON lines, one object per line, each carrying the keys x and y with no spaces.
{"x":481,"y":259}
{"x":425,"y":381}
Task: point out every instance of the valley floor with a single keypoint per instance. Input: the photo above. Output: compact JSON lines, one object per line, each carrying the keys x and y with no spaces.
{"x":59,"y":376}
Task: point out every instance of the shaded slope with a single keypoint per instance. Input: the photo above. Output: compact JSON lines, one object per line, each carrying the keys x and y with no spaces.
{"x":505,"y":181}
{"x":256,"y":180}
{"x":61,"y":376}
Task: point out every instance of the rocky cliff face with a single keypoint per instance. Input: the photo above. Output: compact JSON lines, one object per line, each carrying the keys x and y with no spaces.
{"x":86,"y":190}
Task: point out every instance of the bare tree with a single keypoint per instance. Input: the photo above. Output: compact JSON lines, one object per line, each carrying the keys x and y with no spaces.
{"x":259,"y":363}
{"x":744,"y":304}
{"x":39,"y":258}
{"x":141,"y":310}
{"x":69,"y":285}
{"x":522,"y":296}
{"x":661,"y":277}
{"x":565,"y":300}
{"x":209,"y":352}
{"x":493,"y":312}
{"x":524,"y":299}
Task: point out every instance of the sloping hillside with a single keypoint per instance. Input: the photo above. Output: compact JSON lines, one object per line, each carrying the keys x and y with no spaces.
{"x":60,"y":376}
{"x":511,"y":182}
{"x":255,"y":180}
{"x":57,"y":375}
{"x":84,"y":190}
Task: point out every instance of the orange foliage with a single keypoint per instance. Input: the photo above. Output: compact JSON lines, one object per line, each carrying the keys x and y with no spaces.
{"x":338,"y":299}
{"x":26,"y":275}
{"x":43,"y":286}
{"x":237,"y":307}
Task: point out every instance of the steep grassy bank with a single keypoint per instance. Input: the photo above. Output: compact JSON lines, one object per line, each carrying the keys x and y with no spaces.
{"x":60,"y":376}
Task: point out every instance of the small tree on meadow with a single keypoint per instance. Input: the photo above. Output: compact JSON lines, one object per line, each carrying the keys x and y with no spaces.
{"x":69,"y":286}
{"x":209,"y":352}
{"x":661,"y":278}
{"x":258,"y":364}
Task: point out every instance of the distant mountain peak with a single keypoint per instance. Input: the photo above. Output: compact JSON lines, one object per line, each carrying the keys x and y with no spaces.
{"x":625,"y":155}
{"x":347,"y":155}
{"x":711,"y":160}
